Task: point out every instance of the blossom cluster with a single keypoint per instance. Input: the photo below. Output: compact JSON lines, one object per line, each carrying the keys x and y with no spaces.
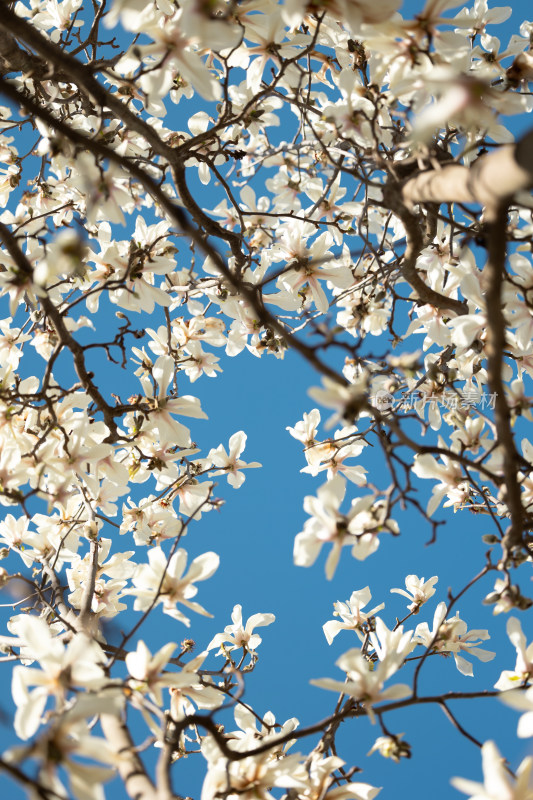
{"x":184,"y":183}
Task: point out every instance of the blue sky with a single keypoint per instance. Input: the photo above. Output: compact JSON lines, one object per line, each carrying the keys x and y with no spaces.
{"x":254,"y":534}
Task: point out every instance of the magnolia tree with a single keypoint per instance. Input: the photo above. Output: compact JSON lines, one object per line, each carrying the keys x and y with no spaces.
{"x":361,"y":190}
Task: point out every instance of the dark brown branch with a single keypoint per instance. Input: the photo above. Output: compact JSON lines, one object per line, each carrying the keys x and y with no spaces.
{"x":14,"y":59}
{"x":64,"y":335}
{"x":32,"y":784}
{"x":209,"y":725}
{"x":456,"y":724}
{"x":415,"y":244}
{"x":496,"y":324}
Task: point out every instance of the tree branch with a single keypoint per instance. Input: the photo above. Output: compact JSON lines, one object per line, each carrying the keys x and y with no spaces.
{"x":392,"y":197}
{"x":495,"y":269}
{"x":491,"y":180}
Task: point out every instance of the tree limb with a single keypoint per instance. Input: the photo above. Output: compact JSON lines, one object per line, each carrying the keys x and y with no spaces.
{"x":491,"y":180}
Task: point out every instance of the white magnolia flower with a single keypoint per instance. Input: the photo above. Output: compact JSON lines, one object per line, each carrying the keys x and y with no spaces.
{"x":165,"y":405}
{"x":239,"y":635}
{"x":229,"y":463}
{"x":189,"y":690}
{"x":391,"y":747}
{"x":64,"y":257}
{"x":306,"y":429}
{"x":347,"y":401}
{"x":68,"y":739}
{"x":358,"y":528}
{"x":325,"y":525}
{"x":365,"y":680}
{"x":79,"y":664}
{"x":391,"y":644}
{"x":318,"y":777}
{"x":451,"y":636}
{"x":523,"y":701}
{"x":249,"y":778}
{"x":465,"y":100}
{"x":452,"y":481}
{"x":332,"y":455}
{"x":497,"y":783}
{"x":523,"y":670}
{"x":418,"y":590}
{"x":165,"y":581}
{"x":146,"y":669}
{"x":352,"y":615}
{"x":354,"y":12}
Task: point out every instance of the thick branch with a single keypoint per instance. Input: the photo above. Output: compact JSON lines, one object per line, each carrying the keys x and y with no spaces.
{"x":14,"y":59}
{"x":88,"y":589}
{"x":130,"y":767}
{"x":164,"y":763}
{"x":211,"y":226}
{"x":415,"y":245}
{"x":495,"y":269}
{"x":491,"y":180}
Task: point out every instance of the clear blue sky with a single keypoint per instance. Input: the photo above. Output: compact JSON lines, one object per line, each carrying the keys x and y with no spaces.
{"x":254,"y":534}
